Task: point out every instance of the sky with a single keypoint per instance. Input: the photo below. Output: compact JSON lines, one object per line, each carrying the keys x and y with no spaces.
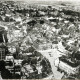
{"x":57,"y":0}
{"x":48,"y":0}
{"x":75,"y":2}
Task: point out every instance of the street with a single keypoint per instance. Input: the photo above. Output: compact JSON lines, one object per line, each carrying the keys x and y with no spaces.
{"x":51,"y":55}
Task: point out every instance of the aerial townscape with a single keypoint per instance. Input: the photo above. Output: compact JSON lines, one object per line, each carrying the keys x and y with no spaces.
{"x":39,"y":39}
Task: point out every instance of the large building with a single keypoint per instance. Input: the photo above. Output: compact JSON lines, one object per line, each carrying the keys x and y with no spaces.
{"x":3,"y":40}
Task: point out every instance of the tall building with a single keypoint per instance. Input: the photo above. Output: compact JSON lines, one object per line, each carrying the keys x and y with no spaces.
{"x":2,"y":43}
{"x":2,"y":53}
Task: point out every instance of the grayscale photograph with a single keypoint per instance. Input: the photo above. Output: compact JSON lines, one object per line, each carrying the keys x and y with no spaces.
{"x":39,"y":39}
